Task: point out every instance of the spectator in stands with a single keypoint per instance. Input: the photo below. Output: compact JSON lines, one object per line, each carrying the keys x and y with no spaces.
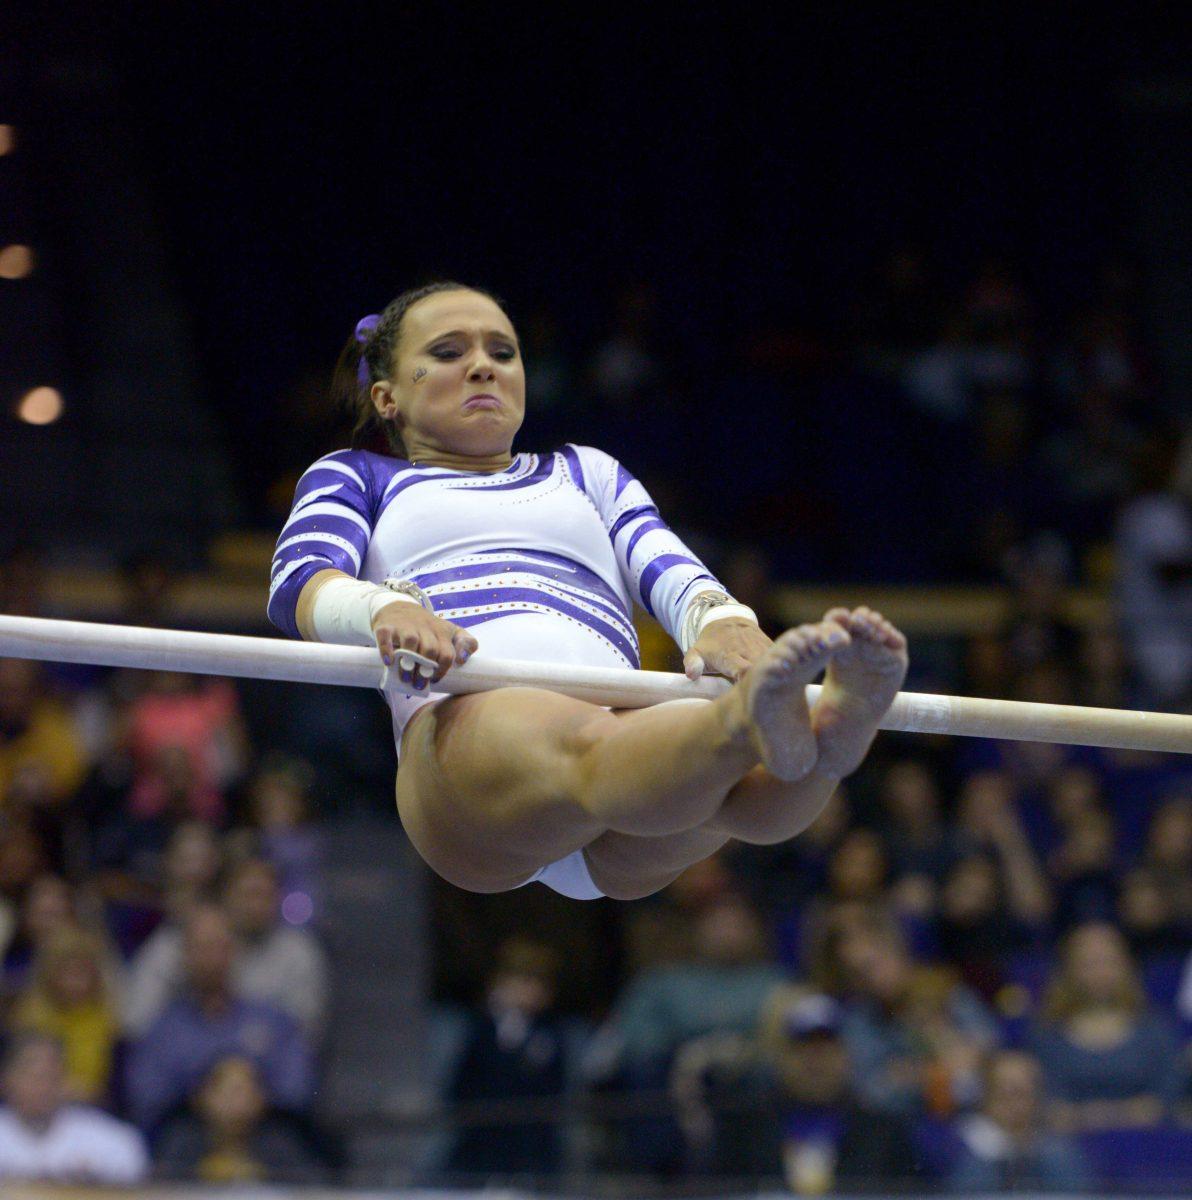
{"x":1037,"y":630}
{"x":660,"y":931}
{"x":975,"y":928}
{"x":1090,"y":459}
{"x":37,"y":734}
{"x":512,"y":1052}
{"x":1169,"y":853}
{"x":45,"y":1138}
{"x":148,"y":580}
{"x":1073,"y":793}
{"x":47,"y":906}
{"x":229,"y":1135}
{"x":625,"y":366}
{"x":191,"y":867}
{"x":1103,"y":668}
{"x":989,"y":829}
{"x":280,"y":801}
{"x":721,"y":987}
{"x":1109,"y":1060}
{"x":155,"y":866}
{"x":782,"y":879}
{"x":800,"y":1116}
{"x":832,"y":939}
{"x":914,"y":1035}
{"x":1153,"y":550}
{"x":68,"y":999}
{"x":210,"y":1021}
{"x":199,"y":717}
{"x":276,"y":963}
{"x":1005,"y":1147}
{"x":24,"y":855}
{"x":1184,"y":1000}
{"x":913,"y":826}
{"x":1083,"y":866}
{"x":858,"y":868}
{"x":1148,"y":912}
{"x":1104,"y":348}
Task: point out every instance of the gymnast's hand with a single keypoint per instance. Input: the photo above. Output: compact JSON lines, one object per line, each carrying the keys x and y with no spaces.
{"x":401,"y":626}
{"x":727,"y":647}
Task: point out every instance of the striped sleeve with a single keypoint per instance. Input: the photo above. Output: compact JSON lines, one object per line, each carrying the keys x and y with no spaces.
{"x":661,"y":573}
{"x":329,"y":526}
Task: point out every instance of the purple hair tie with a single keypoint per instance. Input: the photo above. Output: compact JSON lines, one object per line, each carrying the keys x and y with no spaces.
{"x":365,"y":328}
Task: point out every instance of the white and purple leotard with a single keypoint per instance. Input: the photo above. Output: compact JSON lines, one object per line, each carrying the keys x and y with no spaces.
{"x":542,"y":561}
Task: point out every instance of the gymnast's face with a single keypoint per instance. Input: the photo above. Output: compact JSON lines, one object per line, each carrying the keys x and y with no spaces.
{"x":458,"y":386}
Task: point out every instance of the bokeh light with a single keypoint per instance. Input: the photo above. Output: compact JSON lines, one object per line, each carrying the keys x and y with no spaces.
{"x":41,"y":406}
{"x":8,"y":140}
{"x":16,"y":262}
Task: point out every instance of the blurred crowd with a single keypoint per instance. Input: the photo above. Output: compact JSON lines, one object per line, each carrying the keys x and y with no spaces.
{"x":163,"y":989}
{"x":972,"y":973}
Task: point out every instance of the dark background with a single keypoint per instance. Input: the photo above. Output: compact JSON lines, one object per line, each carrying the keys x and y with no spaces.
{"x":268,"y":176}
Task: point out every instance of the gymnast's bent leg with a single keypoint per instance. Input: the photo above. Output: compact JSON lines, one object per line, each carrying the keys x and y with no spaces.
{"x":493,"y":787}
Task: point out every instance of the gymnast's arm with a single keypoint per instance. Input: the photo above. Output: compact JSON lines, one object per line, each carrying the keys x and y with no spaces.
{"x":663,"y":574}
{"x":314,"y":589}
{"x":334,"y":606}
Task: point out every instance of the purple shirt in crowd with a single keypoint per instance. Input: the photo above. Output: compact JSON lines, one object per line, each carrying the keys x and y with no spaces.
{"x":182,"y":1045}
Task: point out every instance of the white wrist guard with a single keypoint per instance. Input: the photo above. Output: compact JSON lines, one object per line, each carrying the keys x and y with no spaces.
{"x":344,"y":609}
{"x":705,"y":607}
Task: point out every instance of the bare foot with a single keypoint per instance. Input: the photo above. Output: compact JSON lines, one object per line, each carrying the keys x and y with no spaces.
{"x":773,"y":692}
{"x":859,"y":686}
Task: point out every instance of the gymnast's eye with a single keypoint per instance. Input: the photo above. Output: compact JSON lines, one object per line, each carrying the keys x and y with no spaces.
{"x":505,"y":354}
{"x":445,"y":352}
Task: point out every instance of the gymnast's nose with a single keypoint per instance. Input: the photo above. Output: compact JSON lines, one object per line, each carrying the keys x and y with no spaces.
{"x":482,"y":367}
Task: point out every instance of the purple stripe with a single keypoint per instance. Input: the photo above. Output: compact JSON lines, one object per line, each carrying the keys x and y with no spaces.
{"x":546,"y":464}
{"x":282,"y":607}
{"x":321,"y":521}
{"x":575,"y":467}
{"x":589,"y":578}
{"x":624,"y":479}
{"x":628,"y":515}
{"x":452,"y":600}
{"x":336,"y":555}
{"x":558,"y":575}
{"x":640,"y":532}
{"x":653,"y":572}
{"x":356,"y":538}
{"x":687,"y":587}
{"x":514,"y":595}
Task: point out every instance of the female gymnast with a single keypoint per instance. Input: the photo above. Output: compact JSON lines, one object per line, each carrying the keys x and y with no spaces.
{"x":542,"y":556}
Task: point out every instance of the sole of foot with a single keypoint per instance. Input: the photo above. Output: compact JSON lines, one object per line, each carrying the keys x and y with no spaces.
{"x":775,"y":698}
{"x":860,"y":684}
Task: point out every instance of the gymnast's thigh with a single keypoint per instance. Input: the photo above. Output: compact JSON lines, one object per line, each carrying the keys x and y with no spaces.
{"x":628,"y":868}
{"x":487,"y":786}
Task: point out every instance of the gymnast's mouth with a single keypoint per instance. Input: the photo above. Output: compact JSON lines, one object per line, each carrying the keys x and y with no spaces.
{"x":482,"y":400}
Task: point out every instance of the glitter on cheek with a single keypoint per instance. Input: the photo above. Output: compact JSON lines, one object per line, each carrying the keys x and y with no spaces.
{"x":419,"y":374}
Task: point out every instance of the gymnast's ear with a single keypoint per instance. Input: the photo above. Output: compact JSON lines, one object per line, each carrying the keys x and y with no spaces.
{"x":382,"y":399}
